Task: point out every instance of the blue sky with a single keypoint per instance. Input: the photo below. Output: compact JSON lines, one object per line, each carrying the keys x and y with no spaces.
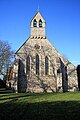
{"x":62,"y":24}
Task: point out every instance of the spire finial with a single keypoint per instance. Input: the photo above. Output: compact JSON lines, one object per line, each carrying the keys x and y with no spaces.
{"x":38,"y":8}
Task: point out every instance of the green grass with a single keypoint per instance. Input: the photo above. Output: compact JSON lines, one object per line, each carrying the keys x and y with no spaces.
{"x":43,"y":106}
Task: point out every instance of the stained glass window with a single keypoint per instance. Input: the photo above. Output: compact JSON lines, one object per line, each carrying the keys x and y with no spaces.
{"x":46,"y":65}
{"x":37,"y":64}
{"x":28,"y":64}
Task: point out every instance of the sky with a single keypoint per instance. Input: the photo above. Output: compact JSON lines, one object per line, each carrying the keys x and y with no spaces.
{"x":62,"y":24}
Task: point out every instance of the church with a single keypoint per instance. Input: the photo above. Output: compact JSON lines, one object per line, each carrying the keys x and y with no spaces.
{"x":39,"y":67}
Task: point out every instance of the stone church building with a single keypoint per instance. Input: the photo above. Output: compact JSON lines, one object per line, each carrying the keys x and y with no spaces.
{"x":39,"y":67}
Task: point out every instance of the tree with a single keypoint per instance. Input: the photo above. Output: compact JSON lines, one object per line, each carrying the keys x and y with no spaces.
{"x":6,"y":57}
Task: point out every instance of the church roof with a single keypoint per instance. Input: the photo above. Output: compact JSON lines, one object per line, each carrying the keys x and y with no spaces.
{"x":38,"y":16}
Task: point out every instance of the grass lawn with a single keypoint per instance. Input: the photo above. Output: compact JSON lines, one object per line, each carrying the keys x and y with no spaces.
{"x":43,"y":106}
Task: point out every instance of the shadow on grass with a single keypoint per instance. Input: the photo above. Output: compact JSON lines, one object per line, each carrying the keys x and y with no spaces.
{"x":4,"y":90}
{"x":14,"y":96}
{"x":65,"y":110}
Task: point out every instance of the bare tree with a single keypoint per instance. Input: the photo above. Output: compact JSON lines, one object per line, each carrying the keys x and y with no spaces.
{"x":6,"y":56}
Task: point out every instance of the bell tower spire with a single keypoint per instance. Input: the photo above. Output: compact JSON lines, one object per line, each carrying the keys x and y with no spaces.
{"x":38,"y":25}
{"x":38,"y":5}
{"x":38,"y":8}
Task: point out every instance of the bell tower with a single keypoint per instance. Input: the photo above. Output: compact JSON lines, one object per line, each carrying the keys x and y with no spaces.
{"x":37,"y":26}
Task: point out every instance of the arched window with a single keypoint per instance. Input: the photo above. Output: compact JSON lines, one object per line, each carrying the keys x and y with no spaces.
{"x":34,"y":23}
{"x":37,"y":64}
{"x":66,"y":76}
{"x":46,"y":65}
{"x":40,"y":23}
{"x":27,"y":64}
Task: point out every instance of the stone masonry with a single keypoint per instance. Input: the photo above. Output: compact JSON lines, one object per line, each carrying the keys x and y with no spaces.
{"x":61,"y":74}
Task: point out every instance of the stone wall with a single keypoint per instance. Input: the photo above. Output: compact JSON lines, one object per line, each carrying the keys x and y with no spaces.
{"x":62,"y":75}
{"x":55,"y":80}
